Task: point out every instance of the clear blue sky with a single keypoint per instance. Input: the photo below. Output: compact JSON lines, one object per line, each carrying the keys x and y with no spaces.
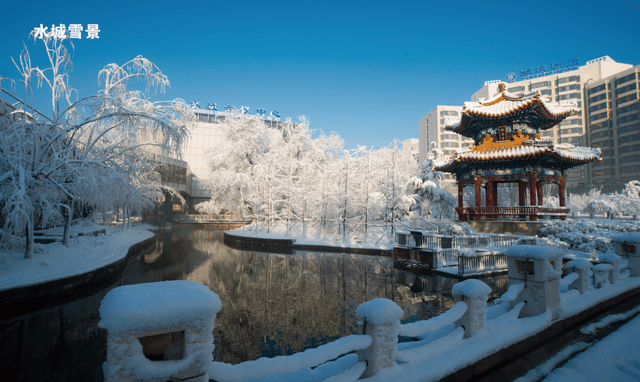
{"x":367,"y":70}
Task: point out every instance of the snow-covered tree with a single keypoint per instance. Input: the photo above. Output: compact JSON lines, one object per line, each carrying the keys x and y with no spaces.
{"x":428,"y":199}
{"x":625,"y":203}
{"x":93,"y":151}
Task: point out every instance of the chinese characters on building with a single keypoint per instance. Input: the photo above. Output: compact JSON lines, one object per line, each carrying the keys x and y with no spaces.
{"x":212,"y":108}
{"x":61,"y":31}
{"x":541,"y":70}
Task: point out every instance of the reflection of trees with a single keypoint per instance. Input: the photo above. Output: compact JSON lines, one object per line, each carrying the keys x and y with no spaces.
{"x":277,"y":304}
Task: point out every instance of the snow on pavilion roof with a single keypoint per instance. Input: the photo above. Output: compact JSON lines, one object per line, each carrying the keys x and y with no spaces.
{"x":508,"y":105}
{"x":565,"y":155}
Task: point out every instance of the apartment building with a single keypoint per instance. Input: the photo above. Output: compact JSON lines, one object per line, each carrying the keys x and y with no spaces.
{"x":612,"y":112}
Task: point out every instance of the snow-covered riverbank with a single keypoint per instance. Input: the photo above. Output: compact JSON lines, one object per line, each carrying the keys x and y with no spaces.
{"x":55,"y":261}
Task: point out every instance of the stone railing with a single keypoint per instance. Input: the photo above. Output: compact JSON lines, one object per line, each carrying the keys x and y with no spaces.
{"x":463,"y":336}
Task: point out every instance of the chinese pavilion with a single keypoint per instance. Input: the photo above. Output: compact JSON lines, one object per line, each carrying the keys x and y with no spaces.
{"x":508,"y":149}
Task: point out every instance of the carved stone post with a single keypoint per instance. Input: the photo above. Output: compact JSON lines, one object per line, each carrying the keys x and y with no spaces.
{"x":601,"y":275}
{"x":583,"y":268}
{"x":380,"y":319}
{"x":474,"y":293}
{"x":613,"y":260}
{"x":159,"y":331}
{"x":628,"y":247}
{"x":539,"y":269}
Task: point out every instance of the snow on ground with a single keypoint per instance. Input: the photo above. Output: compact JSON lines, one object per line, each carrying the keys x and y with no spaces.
{"x":614,"y":358}
{"x":55,"y":261}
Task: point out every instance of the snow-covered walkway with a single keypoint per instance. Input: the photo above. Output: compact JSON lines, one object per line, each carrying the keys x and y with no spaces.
{"x":616,"y":357}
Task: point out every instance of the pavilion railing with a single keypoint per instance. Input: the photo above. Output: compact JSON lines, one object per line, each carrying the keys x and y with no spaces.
{"x":522,"y":212}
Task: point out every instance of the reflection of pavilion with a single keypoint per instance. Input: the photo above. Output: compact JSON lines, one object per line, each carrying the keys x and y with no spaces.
{"x":508,"y":149}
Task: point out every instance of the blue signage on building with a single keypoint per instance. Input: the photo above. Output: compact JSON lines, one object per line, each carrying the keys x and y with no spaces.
{"x":541,"y":71}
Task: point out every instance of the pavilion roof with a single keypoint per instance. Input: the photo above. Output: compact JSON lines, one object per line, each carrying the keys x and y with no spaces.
{"x":531,"y":152}
{"x":507,"y":107}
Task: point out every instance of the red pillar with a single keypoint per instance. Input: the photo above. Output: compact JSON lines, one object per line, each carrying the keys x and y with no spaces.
{"x":489,"y":194}
{"x":478,"y":195}
{"x":532,"y":194}
{"x":495,"y":193}
{"x":561,"y":195}
{"x":561,"y":192}
{"x":460,"y":194}
{"x":522,"y":194}
{"x":539,"y":192}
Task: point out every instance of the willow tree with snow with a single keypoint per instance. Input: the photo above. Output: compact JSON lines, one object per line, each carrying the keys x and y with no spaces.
{"x":94,"y":151}
{"x":428,"y":199}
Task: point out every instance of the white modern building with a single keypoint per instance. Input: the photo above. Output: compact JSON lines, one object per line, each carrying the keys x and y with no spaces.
{"x":412,"y":147}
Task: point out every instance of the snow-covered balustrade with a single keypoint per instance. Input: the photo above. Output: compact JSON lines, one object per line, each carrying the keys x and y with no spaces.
{"x":539,"y":268}
{"x":446,"y":257}
{"x":627,"y":247}
{"x":380,"y":319}
{"x":170,"y":322}
{"x":474,"y":241}
{"x":472,"y":261}
{"x":505,"y":241}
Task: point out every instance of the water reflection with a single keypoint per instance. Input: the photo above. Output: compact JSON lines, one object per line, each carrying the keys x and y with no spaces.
{"x":276,"y":304}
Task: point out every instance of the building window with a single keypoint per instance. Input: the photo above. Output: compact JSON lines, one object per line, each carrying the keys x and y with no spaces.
{"x":605,"y":143}
{"x":599,"y":116}
{"x":597,"y":98}
{"x":624,"y":79}
{"x":607,"y":171}
{"x":548,"y":133}
{"x":602,"y":134}
{"x":629,"y":159}
{"x":598,"y":107}
{"x":628,"y":138}
{"x":597,"y":89}
{"x":568,"y":96}
{"x":626,"y":89}
{"x":628,"y":169}
{"x":568,"y":79}
{"x":545,"y":92}
{"x":543,"y":84}
{"x":575,"y":130}
{"x":628,"y":129}
{"x":628,"y":149}
{"x":628,"y":118}
{"x":595,"y":126}
{"x":448,"y":113}
{"x":624,"y":99}
{"x":571,"y":122}
{"x":572,"y":140}
{"x":515,"y":89}
{"x":627,"y":108}
{"x":569,"y":87}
